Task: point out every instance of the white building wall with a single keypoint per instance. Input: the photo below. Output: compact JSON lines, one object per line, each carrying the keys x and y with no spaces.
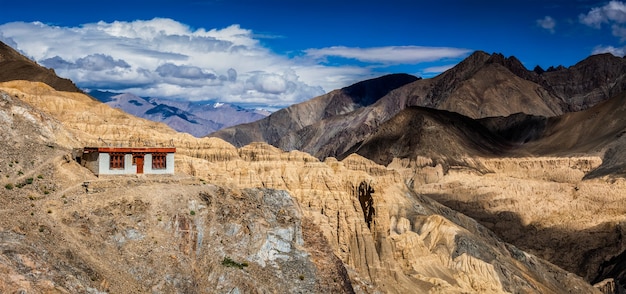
{"x":104,"y":159}
{"x":104,"y":163}
{"x":169,"y":165}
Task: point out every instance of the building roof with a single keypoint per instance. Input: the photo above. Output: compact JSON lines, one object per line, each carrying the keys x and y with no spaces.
{"x":129,"y":150}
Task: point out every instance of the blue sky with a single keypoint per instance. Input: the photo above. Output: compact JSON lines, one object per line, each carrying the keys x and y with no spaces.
{"x":275,"y":53}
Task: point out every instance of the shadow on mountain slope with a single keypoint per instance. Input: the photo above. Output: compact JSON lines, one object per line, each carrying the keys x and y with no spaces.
{"x":594,"y":253}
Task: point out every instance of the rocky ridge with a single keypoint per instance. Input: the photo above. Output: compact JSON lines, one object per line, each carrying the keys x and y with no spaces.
{"x":483,"y":85}
{"x":325,"y":226}
{"x":386,"y":236}
{"x":17,"y":67}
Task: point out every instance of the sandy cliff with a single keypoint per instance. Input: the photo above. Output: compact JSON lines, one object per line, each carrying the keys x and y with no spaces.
{"x":282,"y":213}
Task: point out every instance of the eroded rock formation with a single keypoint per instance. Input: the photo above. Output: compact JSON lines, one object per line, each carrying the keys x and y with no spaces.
{"x":411,"y":244}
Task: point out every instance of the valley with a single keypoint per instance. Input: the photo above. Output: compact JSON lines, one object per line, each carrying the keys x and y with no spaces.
{"x":393,"y":185}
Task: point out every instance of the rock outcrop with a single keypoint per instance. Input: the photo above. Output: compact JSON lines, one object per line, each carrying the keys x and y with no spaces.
{"x":284,"y":127}
{"x":383,"y":235}
{"x":483,"y":85}
{"x":15,"y":66}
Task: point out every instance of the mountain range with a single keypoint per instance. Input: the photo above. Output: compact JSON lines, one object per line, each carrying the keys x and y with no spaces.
{"x":196,"y":118}
{"x":489,"y":178}
{"x":481,"y":88}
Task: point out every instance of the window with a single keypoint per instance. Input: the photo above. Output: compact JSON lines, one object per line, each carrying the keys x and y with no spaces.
{"x":116,"y":161}
{"x":159,"y":160}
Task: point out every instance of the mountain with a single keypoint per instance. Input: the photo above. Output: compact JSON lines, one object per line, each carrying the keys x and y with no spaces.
{"x":285,"y":125}
{"x":529,"y":155}
{"x":195,"y":118}
{"x":418,"y":131}
{"x":445,"y":137}
{"x":597,"y":130}
{"x":480,"y":86}
{"x":588,"y":82}
{"x":255,"y":218}
{"x":14,"y":66}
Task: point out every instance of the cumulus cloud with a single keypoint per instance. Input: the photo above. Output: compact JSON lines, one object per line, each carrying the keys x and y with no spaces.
{"x":389,"y":54}
{"x":612,"y":14}
{"x":93,"y":62}
{"x":617,"y":51}
{"x":184,"y":72}
{"x":548,"y":23}
{"x":614,"y":11}
{"x":165,"y":58}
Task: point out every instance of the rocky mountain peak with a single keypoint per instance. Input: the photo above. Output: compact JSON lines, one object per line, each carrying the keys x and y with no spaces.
{"x":16,"y":66}
{"x":468,"y":65}
{"x":511,"y":62}
{"x":369,"y":91}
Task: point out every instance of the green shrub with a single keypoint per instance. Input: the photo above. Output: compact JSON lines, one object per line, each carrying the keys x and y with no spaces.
{"x":8,"y":186}
{"x":29,"y":181}
{"x":231,"y":263}
{"x":40,"y":177}
{"x":192,"y":212}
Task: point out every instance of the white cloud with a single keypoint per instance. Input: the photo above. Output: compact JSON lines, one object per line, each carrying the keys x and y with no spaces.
{"x":165,"y":58}
{"x":619,"y":31}
{"x":614,"y":11}
{"x":437,"y":69}
{"x":390,"y":54}
{"x":548,"y":23}
{"x":613,"y":14}
{"x":93,"y":62}
{"x":617,"y":51}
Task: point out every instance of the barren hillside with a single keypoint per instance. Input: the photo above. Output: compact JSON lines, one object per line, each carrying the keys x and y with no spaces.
{"x":161,"y":234}
{"x":483,"y":85}
{"x":14,"y":66}
{"x":256,"y":218}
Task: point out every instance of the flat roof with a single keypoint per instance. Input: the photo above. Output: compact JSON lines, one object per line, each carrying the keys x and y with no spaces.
{"x":130,"y":149}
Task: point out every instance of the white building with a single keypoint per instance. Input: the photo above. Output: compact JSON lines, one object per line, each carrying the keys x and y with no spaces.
{"x":128,"y":160}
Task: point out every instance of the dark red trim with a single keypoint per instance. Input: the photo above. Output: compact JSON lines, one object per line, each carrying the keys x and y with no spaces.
{"x":129,"y":150}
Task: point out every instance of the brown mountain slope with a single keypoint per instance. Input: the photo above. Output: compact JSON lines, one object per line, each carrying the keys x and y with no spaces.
{"x":14,"y":66}
{"x":450,"y":137}
{"x":482,"y":85}
{"x":127,"y":237}
{"x":598,"y":130}
{"x":590,"y":81}
{"x":292,"y":119}
{"x":124,"y":236}
{"x":445,"y":137}
{"x":544,"y":179}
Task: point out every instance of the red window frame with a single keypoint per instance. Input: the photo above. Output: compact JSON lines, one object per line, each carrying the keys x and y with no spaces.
{"x":159,"y":160}
{"x":116,"y":160}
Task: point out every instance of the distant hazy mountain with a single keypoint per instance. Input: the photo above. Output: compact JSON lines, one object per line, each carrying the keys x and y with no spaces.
{"x":195,"y":118}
